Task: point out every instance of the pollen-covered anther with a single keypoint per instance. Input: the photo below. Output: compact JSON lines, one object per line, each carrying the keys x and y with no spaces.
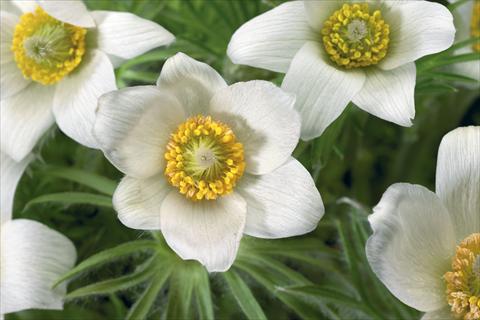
{"x":353,"y":37}
{"x":463,"y":282}
{"x":475,"y":25}
{"x":46,"y":49}
{"x":204,"y":159}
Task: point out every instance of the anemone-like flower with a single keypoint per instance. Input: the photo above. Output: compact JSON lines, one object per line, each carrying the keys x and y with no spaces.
{"x":32,"y":256}
{"x":425,"y":246}
{"x":56,"y":60}
{"x":206,"y":162}
{"x":467,"y":22}
{"x":334,"y":52}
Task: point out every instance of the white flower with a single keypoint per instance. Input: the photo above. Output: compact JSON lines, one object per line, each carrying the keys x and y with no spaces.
{"x":56,"y":60}
{"x":32,"y":256}
{"x":334,"y":52}
{"x":467,"y":22}
{"x":426,"y":246}
{"x":206,"y":162}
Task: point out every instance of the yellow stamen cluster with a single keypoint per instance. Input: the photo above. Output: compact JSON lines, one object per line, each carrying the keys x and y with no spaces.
{"x":463,"y":282}
{"x":204,"y":159}
{"x":353,"y":37}
{"x":46,"y":49}
{"x":475,"y":24}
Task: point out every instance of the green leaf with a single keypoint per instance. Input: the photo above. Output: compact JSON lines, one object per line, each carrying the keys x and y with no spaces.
{"x":69,"y":198}
{"x":88,"y":179}
{"x":109,"y":286}
{"x":203,"y":295}
{"x":144,"y":303}
{"x":243,"y":295}
{"x":326,"y":294}
{"x":449,"y":76}
{"x":180,"y":291}
{"x":107,"y":256}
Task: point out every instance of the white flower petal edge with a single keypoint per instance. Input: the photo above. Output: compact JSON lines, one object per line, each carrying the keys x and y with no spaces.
{"x":322,"y":90}
{"x":412,"y":245}
{"x":133,"y":127}
{"x":271,"y":40}
{"x":10,"y":174}
{"x":124,"y":35}
{"x":263,"y":119}
{"x":71,"y":11}
{"x":417,"y":28}
{"x":33,"y":256}
{"x":194,"y":83}
{"x":24,"y":118}
{"x":138,"y":201}
{"x":458,"y":178}
{"x":207,"y":231}
{"x":11,"y":78}
{"x":76,"y":97}
{"x":389,"y":95}
{"x":282,"y":203}
{"x":441,"y":314}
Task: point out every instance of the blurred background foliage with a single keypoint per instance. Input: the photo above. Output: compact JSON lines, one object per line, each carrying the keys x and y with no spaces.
{"x":125,"y":273}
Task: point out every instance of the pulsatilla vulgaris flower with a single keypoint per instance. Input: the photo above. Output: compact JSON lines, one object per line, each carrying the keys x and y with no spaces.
{"x":32,"y":256}
{"x":56,"y":60}
{"x":334,"y":52}
{"x":426,"y":246}
{"x":206,"y":162}
{"x":467,"y":22}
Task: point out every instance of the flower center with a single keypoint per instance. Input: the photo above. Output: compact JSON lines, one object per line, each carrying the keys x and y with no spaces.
{"x":46,"y":49}
{"x":354,"y":37}
{"x":475,"y":24}
{"x":463,"y":282}
{"x":204,"y":159}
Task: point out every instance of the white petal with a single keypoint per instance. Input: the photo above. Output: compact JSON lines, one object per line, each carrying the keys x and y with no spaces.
{"x":10,"y":173}
{"x":12,"y":80}
{"x":206,"y":231}
{"x":138,"y":201}
{"x":469,"y":69}
{"x":76,"y":97}
{"x":33,"y":256}
{"x":125,"y":35}
{"x":25,"y":5}
{"x":319,"y":11}
{"x":70,"y":11}
{"x":458,"y":178}
{"x":412,"y":245}
{"x":441,"y":314}
{"x":133,"y":127}
{"x":193,"y":82}
{"x":24,"y":118}
{"x":8,"y":22}
{"x":270,"y":40}
{"x":322,"y":90}
{"x":417,"y":29}
{"x":389,"y":94}
{"x":282,"y":203}
{"x":263,"y":119}
{"x":11,"y":7}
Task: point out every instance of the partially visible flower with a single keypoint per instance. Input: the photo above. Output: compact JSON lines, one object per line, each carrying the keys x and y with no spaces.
{"x":56,"y":60}
{"x":206,"y":162}
{"x":426,"y":246}
{"x":467,"y":22}
{"x":32,"y":256}
{"x":334,"y":52}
